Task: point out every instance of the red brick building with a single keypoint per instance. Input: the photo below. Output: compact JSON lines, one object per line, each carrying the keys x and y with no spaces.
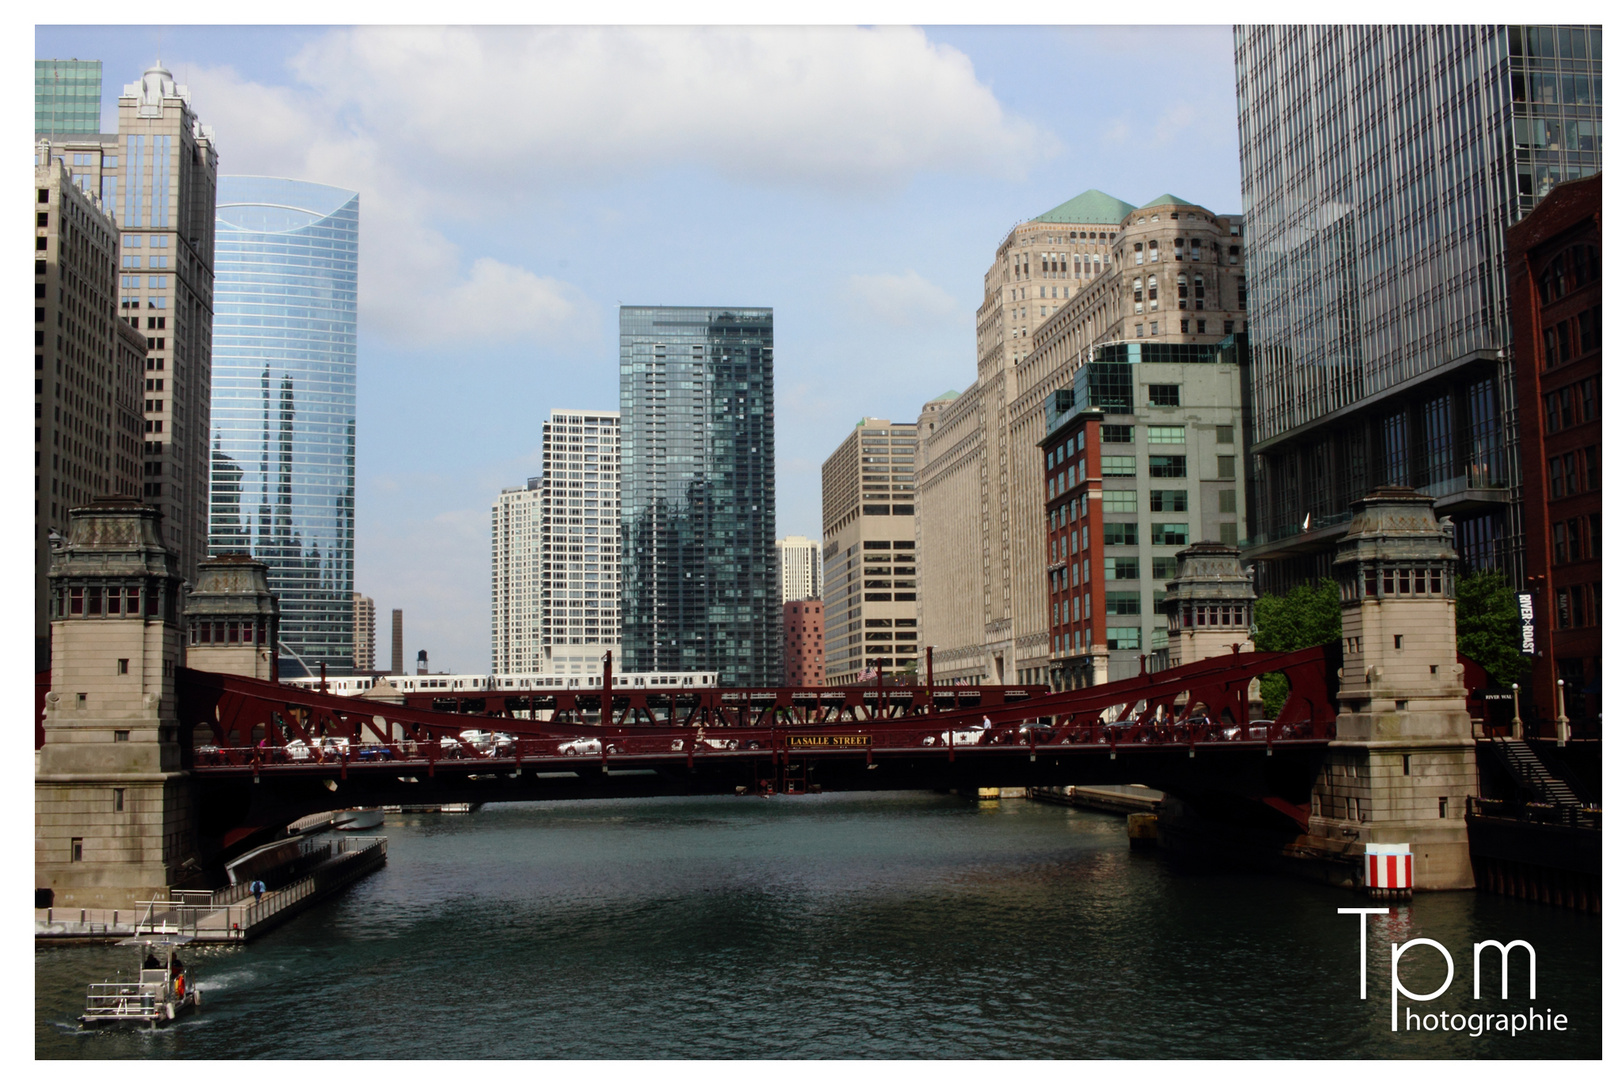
{"x":802,"y":643}
{"x":1075,"y":548}
{"x":1553,"y":257}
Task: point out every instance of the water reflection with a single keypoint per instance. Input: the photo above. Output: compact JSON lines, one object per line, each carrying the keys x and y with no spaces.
{"x":880,"y":926}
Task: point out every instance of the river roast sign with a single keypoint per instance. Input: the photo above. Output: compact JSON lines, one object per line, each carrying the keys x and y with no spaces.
{"x":829,"y":742}
{"x":1528,"y":638}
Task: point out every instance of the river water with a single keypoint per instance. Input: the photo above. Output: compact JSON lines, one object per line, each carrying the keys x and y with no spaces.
{"x":892,"y":925}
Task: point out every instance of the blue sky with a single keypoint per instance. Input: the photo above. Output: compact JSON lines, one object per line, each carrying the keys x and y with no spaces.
{"x":517,"y":185}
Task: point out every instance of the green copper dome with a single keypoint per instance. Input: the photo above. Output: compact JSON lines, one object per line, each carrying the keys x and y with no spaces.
{"x":1091,"y":207}
{"x":1162,"y":200}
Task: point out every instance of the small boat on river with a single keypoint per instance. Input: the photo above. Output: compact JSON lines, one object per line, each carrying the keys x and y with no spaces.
{"x":165,"y":989}
{"x":369,"y":817}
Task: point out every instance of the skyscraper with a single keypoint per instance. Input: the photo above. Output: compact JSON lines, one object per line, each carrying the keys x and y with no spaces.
{"x":870,"y":610}
{"x":554,"y":553}
{"x":365,"y":633}
{"x":1381,"y":166}
{"x":157,"y":177}
{"x":698,"y":509}
{"x":88,"y":365}
{"x":397,"y":642}
{"x":284,"y":404}
{"x":67,"y":97}
{"x":799,"y":559}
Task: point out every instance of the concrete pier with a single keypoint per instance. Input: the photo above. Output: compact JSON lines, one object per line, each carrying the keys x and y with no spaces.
{"x":227,"y":915}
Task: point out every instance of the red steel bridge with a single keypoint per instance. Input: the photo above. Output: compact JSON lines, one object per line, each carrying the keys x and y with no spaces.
{"x":264,"y":753}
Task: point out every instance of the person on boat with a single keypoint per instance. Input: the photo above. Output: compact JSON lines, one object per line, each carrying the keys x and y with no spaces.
{"x":151,"y":962}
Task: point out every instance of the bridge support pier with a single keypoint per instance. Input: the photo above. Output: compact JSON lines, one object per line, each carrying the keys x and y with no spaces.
{"x":114,"y":817}
{"x":1403,"y":762}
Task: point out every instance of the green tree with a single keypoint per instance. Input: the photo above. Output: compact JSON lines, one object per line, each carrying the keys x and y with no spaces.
{"x":1305,"y":616}
{"x":1488,"y":624}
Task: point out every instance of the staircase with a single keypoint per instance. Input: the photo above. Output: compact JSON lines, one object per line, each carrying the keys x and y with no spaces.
{"x":1534,"y":775}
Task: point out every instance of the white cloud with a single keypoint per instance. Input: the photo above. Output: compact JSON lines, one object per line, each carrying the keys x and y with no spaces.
{"x":411,"y":116}
{"x":901,"y":300}
{"x":837,"y":107}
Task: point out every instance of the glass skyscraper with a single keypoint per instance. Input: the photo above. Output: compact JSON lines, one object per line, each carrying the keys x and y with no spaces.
{"x":67,"y":97}
{"x":283,"y":446}
{"x":1381,"y":166}
{"x":698,"y":494}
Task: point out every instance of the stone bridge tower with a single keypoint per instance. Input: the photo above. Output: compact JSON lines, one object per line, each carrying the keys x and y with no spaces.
{"x":1404,"y":758}
{"x":232,"y":618}
{"x":1211,"y":604}
{"x":113,"y":813}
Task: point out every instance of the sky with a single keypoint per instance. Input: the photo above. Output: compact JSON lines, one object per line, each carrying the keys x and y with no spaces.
{"x":518,"y":184}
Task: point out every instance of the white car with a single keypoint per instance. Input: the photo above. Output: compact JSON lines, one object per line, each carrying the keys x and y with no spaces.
{"x":481,"y":741}
{"x":297,"y":750}
{"x":585,"y":745}
{"x":719,"y":744}
{"x":332,"y":747}
{"x":963,"y":737}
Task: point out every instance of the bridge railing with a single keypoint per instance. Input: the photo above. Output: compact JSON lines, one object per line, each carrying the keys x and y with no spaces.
{"x":1142,"y":725}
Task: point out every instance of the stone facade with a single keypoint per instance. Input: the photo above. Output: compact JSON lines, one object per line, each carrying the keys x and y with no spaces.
{"x":113,"y":814}
{"x":1403,"y":762}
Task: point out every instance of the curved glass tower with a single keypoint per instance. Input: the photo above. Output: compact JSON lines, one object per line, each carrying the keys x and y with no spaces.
{"x":283,"y":441}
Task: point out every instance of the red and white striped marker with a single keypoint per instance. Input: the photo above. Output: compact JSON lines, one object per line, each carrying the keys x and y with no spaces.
{"x":1388,"y":866}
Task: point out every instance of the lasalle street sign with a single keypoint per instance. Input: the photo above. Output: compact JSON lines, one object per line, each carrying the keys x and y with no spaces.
{"x":830,"y":742}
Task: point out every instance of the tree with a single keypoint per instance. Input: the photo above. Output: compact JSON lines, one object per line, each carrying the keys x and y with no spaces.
{"x":1306,"y":616}
{"x":1489,"y":627}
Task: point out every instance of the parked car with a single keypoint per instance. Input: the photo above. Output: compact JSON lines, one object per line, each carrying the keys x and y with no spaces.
{"x":585,"y":745}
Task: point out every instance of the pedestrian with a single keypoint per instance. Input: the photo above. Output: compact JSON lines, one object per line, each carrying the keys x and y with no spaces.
{"x":258,"y":890}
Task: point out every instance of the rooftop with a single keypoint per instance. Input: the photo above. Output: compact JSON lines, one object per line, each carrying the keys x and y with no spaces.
{"x":1091,"y":207}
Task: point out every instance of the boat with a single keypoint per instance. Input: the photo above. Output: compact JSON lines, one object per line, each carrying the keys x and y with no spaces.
{"x":366,"y":817}
{"x":166,"y":988}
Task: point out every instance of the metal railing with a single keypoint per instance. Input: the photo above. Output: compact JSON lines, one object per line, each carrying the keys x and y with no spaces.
{"x":1570,"y":817}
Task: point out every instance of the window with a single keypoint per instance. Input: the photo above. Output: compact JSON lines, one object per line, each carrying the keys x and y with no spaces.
{"x":1171,"y":500}
{"x":121,"y":736}
{"x":1224,"y":467}
{"x":1167,"y":434}
{"x":1224,"y":433}
{"x":1122,"y":603}
{"x":1124,"y":637}
{"x":1120,"y":532}
{"x":1120,"y":567}
{"x":118,"y":799}
{"x":1173,"y":533}
{"x":1228,"y":533}
{"x":1121,"y":466}
{"x":1120,"y":502}
{"x":1115,"y":433}
{"x":1168,"y":465}
{"x":1227,"y":501}
{"x":123,"y":666}
{"x":1557,"y":478}
{"x":1165,"y":567}
{"x":1165,"y":394}
{"x":1182,"y":289}
{"x":76,"y":849}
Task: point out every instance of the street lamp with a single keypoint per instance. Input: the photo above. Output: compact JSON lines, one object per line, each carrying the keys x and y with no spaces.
{"x":1515,"y":731}
{"x":1562,"y":725}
